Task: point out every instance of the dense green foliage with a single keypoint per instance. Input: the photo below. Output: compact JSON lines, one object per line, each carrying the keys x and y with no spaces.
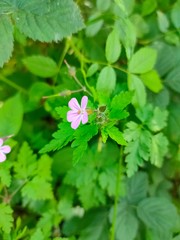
{"x":118,"y":176}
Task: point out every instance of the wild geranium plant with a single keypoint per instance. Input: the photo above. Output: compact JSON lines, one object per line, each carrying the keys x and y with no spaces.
{"x":90,"y":90}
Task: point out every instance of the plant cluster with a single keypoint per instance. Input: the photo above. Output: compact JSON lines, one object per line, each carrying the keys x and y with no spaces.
{"x":89,"y":120}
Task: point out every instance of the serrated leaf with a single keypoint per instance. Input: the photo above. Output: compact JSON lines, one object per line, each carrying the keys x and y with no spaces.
{"x":159,"y":147}
{"x":113,"y":47}
{"x":6,"y":218}
{"x":106,"y":81}
{"x":126,"y":223}
{"x":158,"y":120}
{"x":143,"y":60}
{"x":25,"y":165}
{"x":11,"y":117}
{"x":138,"y":147}
{"x":37,"y":189}
{"x":5,"y":174}
{"x":137,"y":187}
{"x":41,"y":66}
{"x":6,"y":39}
{"x":116,"y":135}
{"x":82,"y":136}
{"x":52,"y":21}
{"x":119,"y":102}
{"x":152,"y":81}
{"x":44,"y":167}
{"x":61,"y":138}
{"x":135,"y":84}
{"x":157,"y":213}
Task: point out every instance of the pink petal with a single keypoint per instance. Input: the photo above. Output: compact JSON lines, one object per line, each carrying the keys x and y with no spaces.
{"x":84,"y":102}
{"x":71,"y":115}
{"x":6,"y":149}
{"x":1,"y":142}
{"x":75,"y":123}
{"x":2,"y":157}
{"x":84,"y":118}
{"x":73,"y":104}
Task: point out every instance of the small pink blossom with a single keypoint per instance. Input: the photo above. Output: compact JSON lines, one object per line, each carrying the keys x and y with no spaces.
{"x":3,"y":150}
{"x":78,"y":113}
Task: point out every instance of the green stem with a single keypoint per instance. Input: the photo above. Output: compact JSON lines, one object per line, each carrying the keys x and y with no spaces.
{"x":13,"y":85}
{"x":118,"y":179}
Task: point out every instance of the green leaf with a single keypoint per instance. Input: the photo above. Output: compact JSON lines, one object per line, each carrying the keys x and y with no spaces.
{"x":94,"y":25}
{"x":113,"y":47}
{"x":138,"y":147}
{"x":126,"y":223}
{"x":159,"y":148}
{"x":44,"y":167}
{"x":173,"y":79}
{"x":82,"y":136}
{"x":6,"y":7}
{"x":41,"y":66}
{"x":119,"y":102}
{"x":5,"y":174}
{"x":137,"y":187}
{"x":175,"y":14}
{"x":127,"y":34}
{"x":6,"y":218}
{"x":61,"y":138}
{"x":50,"y":22}
{"x":92,"y":69}
{"x":173,"y":125}
{"x":6,"y":39}
{"x":148,"y":7}
{"x":103,"y":5}
{"x":135,"y":84}
{"x":152,"y":81}
{"x":11,"y":116}
{"x":157,"y":213}
{"x":38,"y":234}
{"x":25,"y":165}
{"x":116,"y":135}
{"x":96,"y":225}
{"x":37,"y":189}
{"x":158,"y":120}
{"x":106,"y":81}
{"x":163,"y":21}
{"x":143,"y":60}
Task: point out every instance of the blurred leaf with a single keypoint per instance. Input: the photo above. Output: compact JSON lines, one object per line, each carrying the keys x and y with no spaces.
{"x":152,"y":81}
{"x":103,"y":5}
{"x":157,"y":213}
{"x":163,"y":21}
{"x":113,"y":47}
{"x":92,"y":69}
{"x":126,"y":223}
{"x":143,"y":60}
{"x":159,"y":144}
{"x":50,"y":22}
{"x":94,"y":25}
{"x":41,"y":66}
{"x":175,"y":14}
{"x":11,"y":116}
{"x":137,"y":187}
{"x":173,"y":79}
{"x":37,"y":235}
{"x":6,"y":39}
{"x":174,"y":123}
{"x":148,"y":7}
{"x":106,"y":81}
{"x":135,"y":84}
{"x":6,"y":218}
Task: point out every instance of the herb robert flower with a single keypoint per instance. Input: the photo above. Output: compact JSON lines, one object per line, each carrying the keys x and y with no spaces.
{"x":78,"y":113}
{"x":3,"y":150}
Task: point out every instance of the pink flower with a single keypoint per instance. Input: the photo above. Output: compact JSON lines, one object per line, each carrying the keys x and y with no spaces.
{"x":3,"y":150}
{"x":78,"y":113}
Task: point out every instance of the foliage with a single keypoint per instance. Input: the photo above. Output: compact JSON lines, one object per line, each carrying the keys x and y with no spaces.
{"x":117,"y":176}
